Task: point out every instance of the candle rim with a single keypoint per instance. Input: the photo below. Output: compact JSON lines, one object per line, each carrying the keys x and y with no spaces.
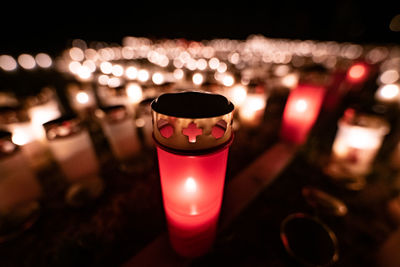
{"x":192,"y":105}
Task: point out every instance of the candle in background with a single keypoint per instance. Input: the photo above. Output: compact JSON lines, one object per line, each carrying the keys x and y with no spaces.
{"x":120,"y":130}
{"x":72,"y":148}
{"x":16,"y":120}
{"x":301,"y":111}
{"x":41,"y":109}
{"x":144,"y":121}
{"x":192,"y":131}
{"x":19,"y":189}
{"x":252,"y":110}
{"x":358,"y":140}
{"x":388,"y":93}
{"x":82,"y":98}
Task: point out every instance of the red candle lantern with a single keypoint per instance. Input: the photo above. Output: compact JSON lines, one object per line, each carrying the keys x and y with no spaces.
{"x":193,"y":132}
{"x":301,"y":112}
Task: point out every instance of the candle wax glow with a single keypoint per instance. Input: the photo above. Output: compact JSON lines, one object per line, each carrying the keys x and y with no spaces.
{"x":192,"y":188}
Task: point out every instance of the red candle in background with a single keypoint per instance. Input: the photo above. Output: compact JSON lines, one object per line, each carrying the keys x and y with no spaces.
{"x":192,"y":148}
{"x":301,"y":112}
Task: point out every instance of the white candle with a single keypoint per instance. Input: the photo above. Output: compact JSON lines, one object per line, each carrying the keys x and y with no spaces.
{"x":120,"y":130}
{"x":18,"y":184}
{"x":73,"y":151}
{"x":356,"y":144}
{"x":41,"y":114}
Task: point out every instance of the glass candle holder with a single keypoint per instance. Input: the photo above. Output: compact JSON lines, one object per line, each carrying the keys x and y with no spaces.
{"x":192,"y":131}
{"x":120,"y":131}
{"x":72,"y":148}
{"x":41,"y":109}
{"x":358,"y":140}
{"x":16,"y":120}
{"x":144,"y":121}
{"x":81,"y":98}
{"x":301,"y":111}
{"x":19,"y":189}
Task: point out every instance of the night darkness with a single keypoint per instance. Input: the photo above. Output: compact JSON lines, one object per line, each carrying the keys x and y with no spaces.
{"x":37,"y":29}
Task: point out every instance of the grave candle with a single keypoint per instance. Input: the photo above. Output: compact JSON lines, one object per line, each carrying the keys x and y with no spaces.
{"x":120,"y":130}
{"x":301,"y":112}
{"x":192,"y":131}
{"x":357,"y":142}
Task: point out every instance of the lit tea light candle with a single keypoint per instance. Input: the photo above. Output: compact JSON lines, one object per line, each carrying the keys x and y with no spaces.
{"x":357,"y":142}
{"x":237,"y":94}
{"x":120,"y":130}
{"x":70,"y":145}
{"x":301,"y":111}
{"x":18,"y":184}
{"x":193,"y":133}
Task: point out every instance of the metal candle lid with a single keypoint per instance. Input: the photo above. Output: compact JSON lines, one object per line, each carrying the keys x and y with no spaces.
{"x":352,"y":117}
{"x":112,"y":114}
{"x":63,"y":127}
{"x":192,"y":120}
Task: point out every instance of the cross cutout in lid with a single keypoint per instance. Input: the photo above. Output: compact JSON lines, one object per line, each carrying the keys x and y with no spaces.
{"x":192,"y":132}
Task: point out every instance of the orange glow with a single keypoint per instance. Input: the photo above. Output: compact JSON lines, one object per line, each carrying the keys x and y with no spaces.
{"x":74,"y":67}
{"x":131,"y":73}
{"x":106,"y":67}
{"x":158,"y":78}
{"x":103,"y":79}
{"x":76,"y":54}
{"x":197,"y":78}
{"x":26,"y":61}
{"x":117,"y":70}
{"x":228,"y":80}
{"x":43,"y":60}
{"x":357,"y":72}
{"x":90,"y":65}
{"x":134,"y":92}
{"x":143,"y":75}
{"x":178,"y":74}
{"x":213,"y":63}
{"x":7,"y":63}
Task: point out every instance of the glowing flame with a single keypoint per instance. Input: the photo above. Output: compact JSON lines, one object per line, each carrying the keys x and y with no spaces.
{"x":20,"y":138}
{"x":157,"y":78}
{"x":238,"y":95}
{"x":190,"y":185}
{"x":43,"y":60}
{"x":134,"y":92}
{"x":26,"y":61}
{"x":106,"y":67}
{"x":357,"y":72}
{"x":389,"y":91}
{"x":7,"y":63}
{"x":178,"y":74}
{"x":131,"y":73}
{"x":143,"y":75}
{"x":301,"y":105}
{"x":198,"y":78}
{"x":82,"y":97}
{"x":228,"y":80}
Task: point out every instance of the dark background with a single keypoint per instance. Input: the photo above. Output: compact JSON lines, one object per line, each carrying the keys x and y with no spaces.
{"x":51,"y":28}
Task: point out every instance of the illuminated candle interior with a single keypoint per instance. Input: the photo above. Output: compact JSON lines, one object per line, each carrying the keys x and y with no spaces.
{"x":355,"y":147}
{"x":251,"y":112}
{"x":18,"y":184}
{"x":301,"y":111}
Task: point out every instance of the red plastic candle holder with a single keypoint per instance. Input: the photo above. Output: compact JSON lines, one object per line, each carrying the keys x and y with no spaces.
{"x":192,"y":147}
{"x":301,"y":111}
